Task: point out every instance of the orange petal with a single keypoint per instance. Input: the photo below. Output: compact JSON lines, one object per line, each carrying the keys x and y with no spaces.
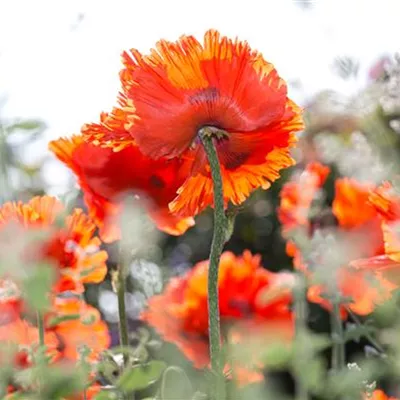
{"x":185,"y":85}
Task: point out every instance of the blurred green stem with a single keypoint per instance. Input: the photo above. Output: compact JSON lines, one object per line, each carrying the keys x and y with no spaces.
{"x":207,"y":135}
{"x":40,"y":324}
{"x":5,"y":193}
{"x":338,"y":349}
{"x":301,"y":315}
{"x":366,"y":334}
{"x":121,"y":290}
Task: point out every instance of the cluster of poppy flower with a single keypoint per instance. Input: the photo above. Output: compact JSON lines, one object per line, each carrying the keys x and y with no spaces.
{"x":149,"y":145}
{"x":370,"y":267}
{"x":66,"y":243}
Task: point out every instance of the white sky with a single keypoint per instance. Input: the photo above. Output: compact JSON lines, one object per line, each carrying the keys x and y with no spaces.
{"x":67,"y":73}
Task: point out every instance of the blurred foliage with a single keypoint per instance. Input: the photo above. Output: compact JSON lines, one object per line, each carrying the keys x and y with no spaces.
{"x":19,"y":175}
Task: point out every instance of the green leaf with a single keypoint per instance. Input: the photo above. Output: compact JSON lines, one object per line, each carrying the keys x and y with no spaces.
{"x":175,"y":384}
{"x":356,"y":332}
{"x":277,"y":355}
{"x":140,"y":377}
{"x":58,"y":320}
{"x":106,"y":395}
{"x":109,"y":370}
{"x":199,"y":396}
{"x":27,"y":125}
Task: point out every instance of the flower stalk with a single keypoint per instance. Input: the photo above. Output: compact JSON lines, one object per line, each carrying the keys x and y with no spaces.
{"x":207,"y":135}
{"x":123,"y":324}
{"x":338,"y":349}
{"x":40,"y":324}
{"x":119,"y":286}
{"x":301,"y":315}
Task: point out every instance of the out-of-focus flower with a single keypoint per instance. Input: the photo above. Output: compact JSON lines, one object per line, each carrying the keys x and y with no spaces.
{"x":379,"y":395}
{"x":385,"y":266}
{"x":82,"y":327}
{"x":90,"y":393}
{"x":364,"y":229}
{"x":181,"y":87}
{"x":297,"y":196}
{"x":71,"y":246}
{"x":296,"y":199}
{"x":105,"y":176}
{"x":253,"y":301}
{"x":10,"y":301}
{"x":22,"y":336}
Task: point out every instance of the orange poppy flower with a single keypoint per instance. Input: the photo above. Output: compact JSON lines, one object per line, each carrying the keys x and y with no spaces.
{"x":351,"y":195}
{"x":364,"y":288}
{"x":385,"y":266}
{"x":296,"y":198}
{"x":363,"y":229}
{"x":298,"y":195}
{"x":90,"y":393}
{"x":84,"y":328}
{"x":252,"y":300}
{"x":105,"y":176}
{"x":379,"y":395}
{"x":169,"y":95}
{"x":71,"y":247}
{"x":22,"y":336}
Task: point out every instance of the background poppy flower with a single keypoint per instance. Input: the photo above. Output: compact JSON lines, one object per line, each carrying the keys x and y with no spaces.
{"x":363,"y":229}
{"x":181,"y":87}
{"x":105,"y":176}
{"x":22,"y":336}
{"x":385,"y":266}
{"x":84,"y":328}
{"x":379,"y":395}
{"x":252,"y":300}
{"x":71,"y":246}
{"x":296,"y":198}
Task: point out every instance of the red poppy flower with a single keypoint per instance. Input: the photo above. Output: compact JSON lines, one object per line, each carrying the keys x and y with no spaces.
{"x":169,"y":95}
{"x":105,"y":176}
{"x":71,"y":247}
{"x":252,"y":300}
{"x":82,"y":326}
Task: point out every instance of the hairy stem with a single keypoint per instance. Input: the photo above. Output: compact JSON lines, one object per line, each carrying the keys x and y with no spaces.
{"x":219,"y":236}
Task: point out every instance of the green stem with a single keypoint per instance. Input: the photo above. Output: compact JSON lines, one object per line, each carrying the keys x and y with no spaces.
{"x":366,"y":334}
{"x":220,"y":225}
{"x":40,"y":325}
{"x":338,"y":349}
{"x":301,"y":315}
{"x":123,"y":324}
